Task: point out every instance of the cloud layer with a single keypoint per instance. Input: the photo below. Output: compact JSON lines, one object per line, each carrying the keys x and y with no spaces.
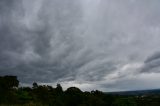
{"x":92,"y":44}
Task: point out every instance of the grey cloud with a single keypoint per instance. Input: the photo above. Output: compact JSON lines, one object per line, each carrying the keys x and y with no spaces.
{"x":46,"y":47}
{"x":79,"y":41}
{"x":153,"y":57}
{"x":37,"y":53}
{"x":152,"y":63}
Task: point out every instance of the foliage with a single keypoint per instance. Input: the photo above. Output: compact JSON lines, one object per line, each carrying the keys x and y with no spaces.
{"x":44,"y":95}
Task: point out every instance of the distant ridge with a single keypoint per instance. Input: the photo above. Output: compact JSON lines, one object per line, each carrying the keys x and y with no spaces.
{"x":137,"y":92}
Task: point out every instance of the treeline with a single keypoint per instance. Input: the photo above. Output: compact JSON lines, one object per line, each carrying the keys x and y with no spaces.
{"x":44,"y":95}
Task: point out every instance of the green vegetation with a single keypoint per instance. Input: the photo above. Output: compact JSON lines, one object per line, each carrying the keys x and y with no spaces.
{"x":44,"y":95}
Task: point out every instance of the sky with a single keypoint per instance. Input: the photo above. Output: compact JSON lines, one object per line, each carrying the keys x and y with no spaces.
{"x":109,"y":45}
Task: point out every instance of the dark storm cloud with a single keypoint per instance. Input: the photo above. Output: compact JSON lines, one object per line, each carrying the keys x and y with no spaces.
{"x":153,"y":57}
{"x":27,"y":45}
{"x":88,"y":43}
{"x":152,"y":63}
{"x":10,"y":39}
{"x":40,"y":41}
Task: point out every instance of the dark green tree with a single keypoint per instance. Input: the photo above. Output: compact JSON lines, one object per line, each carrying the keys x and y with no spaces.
{"x":59,"y":88}
{"x":8,"y":82}
{"x":35,"y":85}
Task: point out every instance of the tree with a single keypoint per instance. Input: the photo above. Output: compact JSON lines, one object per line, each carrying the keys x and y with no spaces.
{"x":35,"y":85}
{"x":8,"y":82}
{"x":73,"y":90}
{"x":74,"y":96}
{"x":124,"y":102}
{"x":59,"y":89}
{"x":7,"y":91}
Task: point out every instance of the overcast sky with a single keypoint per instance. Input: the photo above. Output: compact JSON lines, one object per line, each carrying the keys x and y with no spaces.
{"x":108,"y":45}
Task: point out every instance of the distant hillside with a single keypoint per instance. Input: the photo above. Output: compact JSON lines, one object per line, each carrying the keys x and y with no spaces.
{"x":137,"y":92}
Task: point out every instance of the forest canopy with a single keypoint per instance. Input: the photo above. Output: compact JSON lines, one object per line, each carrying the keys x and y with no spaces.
{"x":45,"y":95}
